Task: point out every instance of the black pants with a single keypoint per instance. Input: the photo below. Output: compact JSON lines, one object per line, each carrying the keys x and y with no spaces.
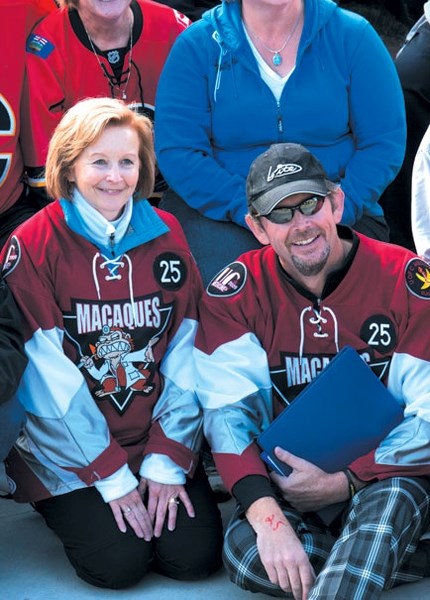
{"x":105,"y":557}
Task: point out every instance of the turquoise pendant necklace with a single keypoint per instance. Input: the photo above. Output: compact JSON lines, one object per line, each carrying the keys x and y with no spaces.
{"x":277,"y":58}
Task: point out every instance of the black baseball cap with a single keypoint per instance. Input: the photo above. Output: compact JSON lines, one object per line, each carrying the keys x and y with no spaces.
{"x":281,"y":171}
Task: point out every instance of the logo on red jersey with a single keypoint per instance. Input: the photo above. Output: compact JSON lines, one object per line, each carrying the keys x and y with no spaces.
{"x":7,"y":117}
{"x":36,"y":44}
{"x":417,"y":276}
{"x":7,"y":128}
{"x":113,"y":57}
{"x":229,"y":281}
{"x":5,"y":162}
{"x":181,"y":19}
{"x":12,"y":256}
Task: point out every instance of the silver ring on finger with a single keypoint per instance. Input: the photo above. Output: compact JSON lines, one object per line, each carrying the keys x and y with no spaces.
{"x":126,"y":510}
{"x":173,"y":500}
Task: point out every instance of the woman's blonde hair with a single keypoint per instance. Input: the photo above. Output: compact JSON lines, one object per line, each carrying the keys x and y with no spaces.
{"x":72,"y":3}
{"x":80,"y":127}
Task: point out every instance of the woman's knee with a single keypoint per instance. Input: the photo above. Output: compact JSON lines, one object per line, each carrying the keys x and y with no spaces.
{"x":114,"y":567}
{"x":194,"y":557}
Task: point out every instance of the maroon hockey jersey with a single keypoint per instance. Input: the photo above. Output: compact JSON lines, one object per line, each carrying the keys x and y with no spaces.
{"x":262,"y":339}
{"x":109,"y":339}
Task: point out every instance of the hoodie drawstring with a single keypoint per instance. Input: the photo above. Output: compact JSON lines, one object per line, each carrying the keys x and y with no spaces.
{"x":222,"y":52}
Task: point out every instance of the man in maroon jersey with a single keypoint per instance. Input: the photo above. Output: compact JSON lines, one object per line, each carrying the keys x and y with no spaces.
{"x":269,"y":323}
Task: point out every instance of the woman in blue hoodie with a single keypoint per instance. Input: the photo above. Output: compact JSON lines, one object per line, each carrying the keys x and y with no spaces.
{"x":256,"y":72}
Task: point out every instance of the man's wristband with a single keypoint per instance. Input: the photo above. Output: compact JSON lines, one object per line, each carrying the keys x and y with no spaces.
{"x":351,"y":485}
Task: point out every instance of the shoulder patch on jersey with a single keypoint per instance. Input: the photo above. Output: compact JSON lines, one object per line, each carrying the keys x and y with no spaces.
{"x":13,"y":256}
{"x":229,"y":281}
{"x":417,"y":278}
{"x":36,"y":44}
{"x":181,"y":19}
{"x":170,"y":271}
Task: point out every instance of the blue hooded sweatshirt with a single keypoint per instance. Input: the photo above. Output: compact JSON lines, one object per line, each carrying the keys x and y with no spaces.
{"x":215,"y":113}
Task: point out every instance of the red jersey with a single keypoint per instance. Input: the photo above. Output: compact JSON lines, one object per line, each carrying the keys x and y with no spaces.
{"x":64,"y":67}
{"x":17,"y":17}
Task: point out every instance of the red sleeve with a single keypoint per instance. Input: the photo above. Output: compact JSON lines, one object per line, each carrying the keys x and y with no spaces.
{"x":43,"y":98}
{"x":233,"y":467}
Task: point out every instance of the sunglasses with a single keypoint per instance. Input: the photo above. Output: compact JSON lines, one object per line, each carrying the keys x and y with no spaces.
{"x":285,"y":214}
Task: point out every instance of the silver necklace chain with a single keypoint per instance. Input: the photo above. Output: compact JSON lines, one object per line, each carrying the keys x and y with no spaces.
{"x":277,"y":58}
{"x":103,"y":69}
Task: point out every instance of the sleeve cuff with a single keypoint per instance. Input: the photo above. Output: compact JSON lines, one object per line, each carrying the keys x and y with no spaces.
{"x":252,"y":488}
{"x":162,"y":469}
{"x":116,"y":485}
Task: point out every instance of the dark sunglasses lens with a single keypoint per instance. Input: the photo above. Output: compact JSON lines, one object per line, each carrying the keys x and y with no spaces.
{"x":285,"y":214}
{"x":280,"y":215}
{"x":311,"y":206}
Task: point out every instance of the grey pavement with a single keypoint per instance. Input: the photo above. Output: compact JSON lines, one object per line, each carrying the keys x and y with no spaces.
{"x":34,"y":567}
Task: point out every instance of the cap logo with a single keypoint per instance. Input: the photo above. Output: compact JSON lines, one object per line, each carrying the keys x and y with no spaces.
{"x":281,"y":170}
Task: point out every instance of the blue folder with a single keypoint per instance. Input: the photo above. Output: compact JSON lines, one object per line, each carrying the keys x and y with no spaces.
{"x":341,"y":415}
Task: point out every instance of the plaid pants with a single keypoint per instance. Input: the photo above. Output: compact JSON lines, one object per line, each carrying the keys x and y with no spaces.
{"x":375,"y":549}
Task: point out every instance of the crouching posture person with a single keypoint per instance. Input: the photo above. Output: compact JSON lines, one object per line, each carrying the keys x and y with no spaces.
{"x":269,"y":322}
{"x":108,"y":289}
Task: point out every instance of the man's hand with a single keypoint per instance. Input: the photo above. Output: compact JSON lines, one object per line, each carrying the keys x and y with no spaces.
{"x":279,"y":548}
{"x":309,"y":488}
{"x":163,"y":501}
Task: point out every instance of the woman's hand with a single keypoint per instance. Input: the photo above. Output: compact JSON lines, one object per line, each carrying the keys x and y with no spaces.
{"x":129,"y":509}
{"x":163,"y":499}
